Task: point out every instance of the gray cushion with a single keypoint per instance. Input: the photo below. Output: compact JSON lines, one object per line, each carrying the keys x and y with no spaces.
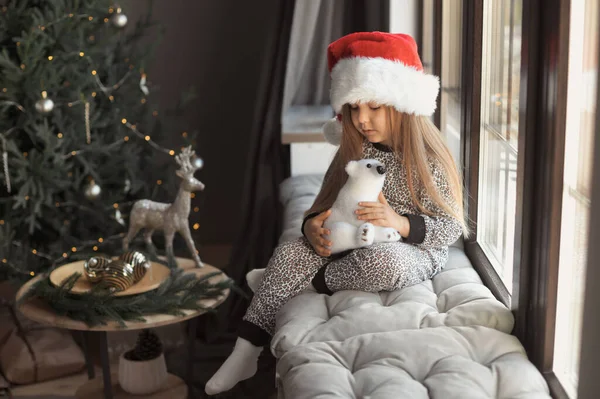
{"x":455,"y":297}
{"x":444,"y":338}
{"x":440,"y":363}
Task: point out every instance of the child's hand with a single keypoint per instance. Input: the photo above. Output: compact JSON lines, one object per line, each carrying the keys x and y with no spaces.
{"x":380,"y":214}
{"x":314,"y":231}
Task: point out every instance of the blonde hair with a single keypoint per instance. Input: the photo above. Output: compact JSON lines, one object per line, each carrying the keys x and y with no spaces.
{"x":419,"y":142}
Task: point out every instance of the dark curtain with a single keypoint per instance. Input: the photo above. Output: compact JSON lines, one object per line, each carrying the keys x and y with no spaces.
{"x":366,"y":16}
{"x":262,"y":214}
{"x":261,"y":223}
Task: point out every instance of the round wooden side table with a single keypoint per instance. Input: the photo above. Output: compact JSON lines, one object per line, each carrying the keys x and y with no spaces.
{"x":40,"y":312}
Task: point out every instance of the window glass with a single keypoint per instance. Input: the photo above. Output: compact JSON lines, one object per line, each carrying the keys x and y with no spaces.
{"x":579,"y":141}
{"x":501,"y":63}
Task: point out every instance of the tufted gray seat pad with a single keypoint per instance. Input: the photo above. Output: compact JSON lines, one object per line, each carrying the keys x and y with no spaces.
{"x":448,"y":337}
{"x":440,"y":363}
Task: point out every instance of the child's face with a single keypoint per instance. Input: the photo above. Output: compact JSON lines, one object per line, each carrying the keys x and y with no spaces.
{"x":371,"y":120}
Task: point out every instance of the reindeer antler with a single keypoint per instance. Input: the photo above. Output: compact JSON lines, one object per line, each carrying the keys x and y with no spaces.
{"x":184,"y":160}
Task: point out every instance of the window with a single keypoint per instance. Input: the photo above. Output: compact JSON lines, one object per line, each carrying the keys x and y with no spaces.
{"x":579,"y":137}
{"x":501,"y":62}
{"x":451,"y":90}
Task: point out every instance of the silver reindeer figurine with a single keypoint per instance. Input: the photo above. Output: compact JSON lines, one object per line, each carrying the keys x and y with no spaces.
{"x":169,"y":218}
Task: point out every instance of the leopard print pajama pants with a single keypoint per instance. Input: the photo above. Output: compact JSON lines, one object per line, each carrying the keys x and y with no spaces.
{"x":294,"y":264}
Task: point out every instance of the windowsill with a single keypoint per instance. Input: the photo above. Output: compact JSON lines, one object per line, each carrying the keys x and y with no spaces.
{"x":487,"y":273}
{"x":556,"y":389}
{"x":304,"y":123}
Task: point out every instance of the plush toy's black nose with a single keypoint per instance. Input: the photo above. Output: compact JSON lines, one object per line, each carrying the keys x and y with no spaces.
{"x":381,"y":170}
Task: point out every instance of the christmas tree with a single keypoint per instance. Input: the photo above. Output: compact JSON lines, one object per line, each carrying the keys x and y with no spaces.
{"x":80,"y":134}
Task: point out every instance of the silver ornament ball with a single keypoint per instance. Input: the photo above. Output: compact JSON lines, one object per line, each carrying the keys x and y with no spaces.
{"x":119,"y":20}
{"x":44,"y":106}
{"x":92,"y":191}
{"x":198,"y":162}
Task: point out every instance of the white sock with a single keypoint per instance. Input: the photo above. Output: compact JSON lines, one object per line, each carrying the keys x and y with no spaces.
{"x":254,"y":277}
{"x":239,"y":366}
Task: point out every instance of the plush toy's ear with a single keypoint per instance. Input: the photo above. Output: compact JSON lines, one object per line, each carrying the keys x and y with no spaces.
{"x":332,"y":130}
{"x":351,"y":167}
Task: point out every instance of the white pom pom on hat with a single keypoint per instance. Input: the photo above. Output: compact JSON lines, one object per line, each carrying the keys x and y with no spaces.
{"x":332,"y":130}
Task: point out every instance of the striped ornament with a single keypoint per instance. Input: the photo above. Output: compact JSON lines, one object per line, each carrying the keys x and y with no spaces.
{"x":94,"y":268}
{"x":118,"y":276}
{"x":138,"y":261}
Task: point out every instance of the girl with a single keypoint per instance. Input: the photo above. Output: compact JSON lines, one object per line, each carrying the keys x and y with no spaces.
{"x":383,"y":100}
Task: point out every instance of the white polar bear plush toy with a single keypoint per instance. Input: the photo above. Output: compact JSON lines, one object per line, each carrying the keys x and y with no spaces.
{"x":365,"y":181}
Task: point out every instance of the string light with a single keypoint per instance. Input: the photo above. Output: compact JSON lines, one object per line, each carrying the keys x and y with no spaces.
{"x":196,"y":226}
{"x":25,"y":154}
{"x":159,"y":182}
{"x":34,"y":251}
{"x":90,"y":18}
{"x":105,"y":20}
{"x":147,"y":138}
{"x":154,"y":113}
{"x":81,"y":53}
{"x":73,"y":153}
{"x":59,"y":135}
{"x":95,"y":248}
{"x":4,"y":260}
{"x":27,"y":198}
{"x":132,"y":127}
{"x":32,"y":273}
{"x":57,"y":204}
{"x":100,"y":239}
{"x":71,"y":15}
{"x":192,"y":195}
{"x":196,"y":209}
{"x":126,"y":138}
{"x":111,"y":98}
{"x":22,"y":66}
{"x":92,"y":38}
{"x":94,"y":72}
{"x":116,"y":206}
{"x":184,"y":134}
{"x":171,"y":152}
{"x":50,"y":58}
{"x":73,"y":249}
{"x":143,"y":101}
{"x":93,"y":94}
{"x":64,"y":255}
{"x":123,"y":121}
{"x":4,"y":90}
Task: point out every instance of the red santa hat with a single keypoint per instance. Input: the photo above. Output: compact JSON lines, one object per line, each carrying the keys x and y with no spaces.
{"x":378,"y":67}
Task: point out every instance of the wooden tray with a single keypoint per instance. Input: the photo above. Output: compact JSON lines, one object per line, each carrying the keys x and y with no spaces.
{"x":151,"y":280}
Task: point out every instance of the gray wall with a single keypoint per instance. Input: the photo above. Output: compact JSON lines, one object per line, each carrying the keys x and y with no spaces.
{"x":216,"y":46}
